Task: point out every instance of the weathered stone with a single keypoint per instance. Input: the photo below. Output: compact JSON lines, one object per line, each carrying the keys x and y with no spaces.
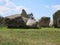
{"x":56,"y":19}
{"x":31,"y":23}
{"x":2,"y":21}
{"x":24,"y":14}
{"x":20,"y":20}
{"x":44,"y":22}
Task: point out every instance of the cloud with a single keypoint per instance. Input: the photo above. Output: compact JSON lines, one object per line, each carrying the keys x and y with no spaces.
{"x":56,"y":7}
{"x":1,"y":0}
{"x":9,"y":8}
{"x":53,"y":7}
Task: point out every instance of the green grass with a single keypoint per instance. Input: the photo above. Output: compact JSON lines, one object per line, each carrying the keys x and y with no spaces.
{"x":43,"y":36}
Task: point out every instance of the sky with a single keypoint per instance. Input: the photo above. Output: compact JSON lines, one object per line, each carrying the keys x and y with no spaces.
{"x":39,"y":8}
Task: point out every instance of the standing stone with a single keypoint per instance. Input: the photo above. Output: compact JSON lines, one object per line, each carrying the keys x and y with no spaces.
{"x":24,"y":14}
{"x":44,"y":22}
{"x":56,"y":19}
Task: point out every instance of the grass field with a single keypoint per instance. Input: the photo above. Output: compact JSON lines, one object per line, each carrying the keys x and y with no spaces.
{"x":43,"y":36}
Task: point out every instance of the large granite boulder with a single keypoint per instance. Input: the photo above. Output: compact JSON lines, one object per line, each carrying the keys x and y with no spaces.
{"x":31,"y":23}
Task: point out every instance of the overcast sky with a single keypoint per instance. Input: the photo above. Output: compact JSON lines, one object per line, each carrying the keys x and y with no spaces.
{"x":39,"y":8}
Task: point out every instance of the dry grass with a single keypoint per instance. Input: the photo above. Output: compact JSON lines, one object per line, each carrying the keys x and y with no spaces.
{"x":45,"y":36}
